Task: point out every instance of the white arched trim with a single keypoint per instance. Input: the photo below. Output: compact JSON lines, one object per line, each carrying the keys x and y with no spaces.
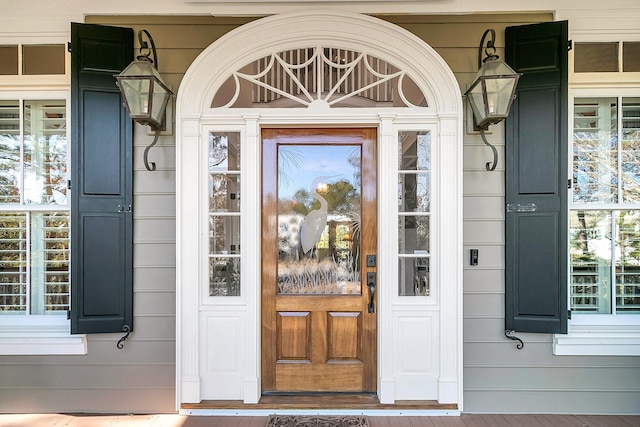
{"x":289,"y":31}
{"x":238,"y":317}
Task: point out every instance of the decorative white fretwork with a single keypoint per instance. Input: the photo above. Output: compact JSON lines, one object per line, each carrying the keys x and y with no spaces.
{"x":327,"y":76}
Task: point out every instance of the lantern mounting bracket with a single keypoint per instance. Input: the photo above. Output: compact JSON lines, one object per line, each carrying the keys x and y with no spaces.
{"x":155,"y":140}
{"x":145,"y":57}
{"x":489,"y":165}
{"x":489,"y":49}
{"x":145,"y":46}
{"x":145,"y":93}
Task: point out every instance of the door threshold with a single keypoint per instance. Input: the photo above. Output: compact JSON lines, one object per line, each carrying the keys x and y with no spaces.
{"x":320,"y":404}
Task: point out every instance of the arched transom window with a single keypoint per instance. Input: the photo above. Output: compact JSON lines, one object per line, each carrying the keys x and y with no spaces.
{"x":322,"y":75}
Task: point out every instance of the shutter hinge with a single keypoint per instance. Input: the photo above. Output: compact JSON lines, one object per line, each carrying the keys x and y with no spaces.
{"x":68,"y":184}
{"x":570,"y":46}
{"x":569,"y":314}
{"x":69,"y":47}
{"x":569,"y":183}
{"x":68,"y":314}
{"x":521,"y":207}
{"x":125,"y":208}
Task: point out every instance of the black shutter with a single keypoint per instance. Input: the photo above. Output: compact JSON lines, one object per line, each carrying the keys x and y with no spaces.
{"x":101,"y":182}
{"x":536,"y":180}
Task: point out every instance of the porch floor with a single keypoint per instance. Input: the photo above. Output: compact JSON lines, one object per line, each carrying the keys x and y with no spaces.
{"x":174,"y":420}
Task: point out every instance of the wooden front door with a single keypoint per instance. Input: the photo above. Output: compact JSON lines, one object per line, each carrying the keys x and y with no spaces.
{"x":318,"y":227}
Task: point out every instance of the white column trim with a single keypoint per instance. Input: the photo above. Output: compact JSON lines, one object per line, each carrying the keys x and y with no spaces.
{"x":251,"y":203}
{"x":387,"y":189}
{"x":450,"y":260}
{"x":187,"y":230}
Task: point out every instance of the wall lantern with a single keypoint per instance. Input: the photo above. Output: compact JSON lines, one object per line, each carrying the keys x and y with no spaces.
{"x":492,"y":91}
{"x":145,"y":93}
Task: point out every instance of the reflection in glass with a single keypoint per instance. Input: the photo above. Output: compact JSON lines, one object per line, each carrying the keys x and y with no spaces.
{"x":9,"y":151}
{"x":49,"y":262}
{"x":414,"y":276}
{"x":604,"y":243}
{"x":630,"y":150}
{"x":414,"y":205}
{"x":627,"y":265}
{"x":414,"y":192}
{"x":224,"y":234}
{"x":224,"y":151}
{"x":224,"y":192}
{"x":318,"y":219}
{"x":45,"y":152}
{"x":414,"y":151}
{"x":224,"y":276}
{"x":595,"y":150}
{"x":224,"y":218}
{"x":413,"y":232}
{"x":590,"y":251}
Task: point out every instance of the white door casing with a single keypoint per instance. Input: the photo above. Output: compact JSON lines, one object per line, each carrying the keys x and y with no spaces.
{"x":218,"y":338}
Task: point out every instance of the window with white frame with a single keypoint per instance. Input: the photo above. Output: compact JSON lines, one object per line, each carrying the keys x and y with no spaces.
{"x":605,"y":211}
{"x":34,"y":201}
{"x":604,"y":204}
{"x":34,"y":210}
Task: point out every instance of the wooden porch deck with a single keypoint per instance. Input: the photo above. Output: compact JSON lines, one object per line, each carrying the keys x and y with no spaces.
{"x":174,"y":420}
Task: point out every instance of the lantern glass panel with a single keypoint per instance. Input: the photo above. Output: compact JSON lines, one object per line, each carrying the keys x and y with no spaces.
{"x":136,"y":92}
{"x":499,"y":92}
{"x":495,"y":68}
{"x":476,"y":98}
{"x":159,"y":102}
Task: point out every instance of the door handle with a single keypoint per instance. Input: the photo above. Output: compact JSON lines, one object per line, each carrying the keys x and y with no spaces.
{"x":371,"y":284}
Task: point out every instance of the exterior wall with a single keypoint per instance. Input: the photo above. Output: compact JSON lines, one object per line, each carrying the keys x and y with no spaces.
{"x":141,"y":377}
{"x":497,"y":376}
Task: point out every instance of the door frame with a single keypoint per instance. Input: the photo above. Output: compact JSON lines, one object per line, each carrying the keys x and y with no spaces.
{"x":235,"y":321}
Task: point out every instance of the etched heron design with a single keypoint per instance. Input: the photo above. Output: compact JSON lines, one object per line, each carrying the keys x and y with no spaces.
{"x":313,"y":224}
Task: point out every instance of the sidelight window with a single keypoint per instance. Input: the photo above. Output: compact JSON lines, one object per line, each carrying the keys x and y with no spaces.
{"x":414,"y":212}
{"x":224,"y":213}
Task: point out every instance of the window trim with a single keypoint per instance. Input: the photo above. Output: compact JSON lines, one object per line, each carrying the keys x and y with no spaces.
{"x":597,"y":334}
{"x":39,"y":335}
{"x":600,"y":335}
{"x":48,"y":334}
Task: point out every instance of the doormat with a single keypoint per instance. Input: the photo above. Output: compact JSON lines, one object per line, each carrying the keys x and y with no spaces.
{"x":317,"y":421}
